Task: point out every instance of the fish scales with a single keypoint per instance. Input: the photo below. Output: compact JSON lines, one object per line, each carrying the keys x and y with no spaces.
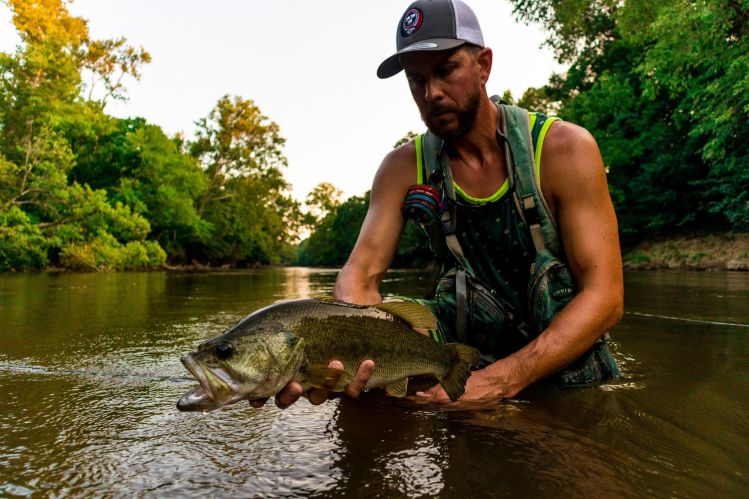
{"x":390,"y":343}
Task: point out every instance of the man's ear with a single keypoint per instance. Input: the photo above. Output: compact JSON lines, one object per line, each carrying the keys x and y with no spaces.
{"x":484,"y":59}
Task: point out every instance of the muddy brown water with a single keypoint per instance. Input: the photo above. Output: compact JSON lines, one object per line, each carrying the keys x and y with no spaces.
{"x":90,"y":374}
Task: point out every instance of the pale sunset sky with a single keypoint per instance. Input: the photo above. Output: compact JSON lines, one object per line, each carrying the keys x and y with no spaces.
{"x":309,"y":66}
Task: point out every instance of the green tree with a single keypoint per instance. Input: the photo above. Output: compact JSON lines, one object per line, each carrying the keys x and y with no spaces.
{"x":662,"y":87}
{"x":698,"y":55}
{"x":321,"y":200}
{"x":410,"y":135}
{"x":96,"y":235}
{"x":253,"y":218}
{"x":332,"y":241}
{"x":538,"y":99}
{"x":22,"y":244}
{"x":141,"y":167}
{"x":39,"y":98}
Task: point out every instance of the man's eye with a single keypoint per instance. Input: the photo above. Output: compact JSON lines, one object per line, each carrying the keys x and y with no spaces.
{"x":415,"y":83}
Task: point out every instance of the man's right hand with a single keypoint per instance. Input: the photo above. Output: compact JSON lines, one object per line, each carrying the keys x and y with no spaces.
{"x":293,"y":390}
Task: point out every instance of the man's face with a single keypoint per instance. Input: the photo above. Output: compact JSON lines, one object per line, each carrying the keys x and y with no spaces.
{"x":447,"y":88}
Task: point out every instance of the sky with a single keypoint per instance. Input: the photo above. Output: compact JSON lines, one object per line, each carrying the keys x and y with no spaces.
{"x":309,"y":66}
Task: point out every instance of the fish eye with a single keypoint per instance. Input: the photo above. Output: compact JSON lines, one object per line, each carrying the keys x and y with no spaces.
{"x":224,"y":350}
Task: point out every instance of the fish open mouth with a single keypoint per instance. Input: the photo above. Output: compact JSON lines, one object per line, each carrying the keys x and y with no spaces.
{"x":216,"y":386}
{"x":196,"y":400}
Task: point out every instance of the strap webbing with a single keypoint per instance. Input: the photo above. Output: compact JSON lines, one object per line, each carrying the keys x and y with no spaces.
{"x":439,"y":161}
{"x":436,"y":160}
{"x":527,"y":193}
{"x":461,"y":306}
{"x":533,"y":221}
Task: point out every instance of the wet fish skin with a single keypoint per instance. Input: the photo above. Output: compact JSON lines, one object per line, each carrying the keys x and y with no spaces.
{"x":296,"y":340}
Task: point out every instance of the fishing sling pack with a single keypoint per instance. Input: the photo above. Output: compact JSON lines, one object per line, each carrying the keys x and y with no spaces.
{"x":550,"y":285}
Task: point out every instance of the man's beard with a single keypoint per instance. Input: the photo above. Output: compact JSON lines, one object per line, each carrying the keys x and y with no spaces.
{"x":466,"y":118}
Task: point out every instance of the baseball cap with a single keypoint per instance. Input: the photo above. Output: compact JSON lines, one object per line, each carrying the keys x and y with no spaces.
{"x":431,"y":25}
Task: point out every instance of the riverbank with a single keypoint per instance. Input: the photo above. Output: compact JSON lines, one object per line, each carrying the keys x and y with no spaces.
{"x":728,"y":251}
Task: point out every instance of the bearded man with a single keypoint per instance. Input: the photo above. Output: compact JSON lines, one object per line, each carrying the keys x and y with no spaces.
{"x":531,"y":277}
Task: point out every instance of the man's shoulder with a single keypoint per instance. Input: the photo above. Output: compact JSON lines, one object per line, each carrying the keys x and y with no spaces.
{"x":565,"y":138}
{"x":400,"y":162}
{"x":570,"y":158}
{"x":396,"y":173}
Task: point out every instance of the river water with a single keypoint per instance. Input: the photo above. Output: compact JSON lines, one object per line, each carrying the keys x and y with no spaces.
{"x":90,"y":374}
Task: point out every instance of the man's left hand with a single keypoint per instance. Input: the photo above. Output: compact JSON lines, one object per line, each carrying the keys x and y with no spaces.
{"x":479,"y":387}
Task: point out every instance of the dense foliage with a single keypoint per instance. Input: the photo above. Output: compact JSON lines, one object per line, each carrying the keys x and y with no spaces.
{"x":83,"y":190}
{"x":663,"y":88}
{"x":336,"y":233}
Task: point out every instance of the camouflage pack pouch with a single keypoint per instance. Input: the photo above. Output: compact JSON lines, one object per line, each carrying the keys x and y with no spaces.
{"x":550,"y":288}
{"x":495,"y":327}
{"x":597,"y":364}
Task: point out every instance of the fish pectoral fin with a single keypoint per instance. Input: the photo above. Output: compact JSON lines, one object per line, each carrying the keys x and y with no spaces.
{"x":417,"y":316}
{"x":327,"y":378}
{"x":397,"y":388}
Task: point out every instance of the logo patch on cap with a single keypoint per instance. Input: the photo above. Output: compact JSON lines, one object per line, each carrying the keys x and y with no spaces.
{"x":411,"y":22}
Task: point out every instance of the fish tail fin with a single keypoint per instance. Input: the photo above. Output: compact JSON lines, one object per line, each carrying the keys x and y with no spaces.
{"x":454,"y":380}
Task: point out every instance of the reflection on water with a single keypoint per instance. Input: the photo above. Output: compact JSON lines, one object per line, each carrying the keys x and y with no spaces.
{"x":90,"y":373}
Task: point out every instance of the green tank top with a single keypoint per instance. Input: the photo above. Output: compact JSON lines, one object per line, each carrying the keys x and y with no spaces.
{"x":495,"y":239}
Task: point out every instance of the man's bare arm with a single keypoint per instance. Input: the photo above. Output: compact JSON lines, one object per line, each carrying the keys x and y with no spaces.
{"x":574,"y":176}
{"x":359,"y":280}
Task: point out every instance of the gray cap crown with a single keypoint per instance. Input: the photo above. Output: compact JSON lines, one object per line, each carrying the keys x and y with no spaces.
{"x":429,"y":25}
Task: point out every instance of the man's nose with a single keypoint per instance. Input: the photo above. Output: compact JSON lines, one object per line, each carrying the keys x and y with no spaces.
{"x":432,"y":91}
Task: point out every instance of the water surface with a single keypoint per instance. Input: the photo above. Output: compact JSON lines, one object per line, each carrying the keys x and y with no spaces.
{"x":90,"y":374}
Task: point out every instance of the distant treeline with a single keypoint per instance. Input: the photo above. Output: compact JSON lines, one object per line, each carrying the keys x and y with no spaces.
{"x":661,"y":85}
{"x":336,"y":233}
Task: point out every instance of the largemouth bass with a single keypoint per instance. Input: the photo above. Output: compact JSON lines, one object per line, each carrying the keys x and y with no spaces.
{"x":296,"y":340}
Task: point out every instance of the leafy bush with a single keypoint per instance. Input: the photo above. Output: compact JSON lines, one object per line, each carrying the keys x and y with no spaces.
{"x":22,"y":245}
{"x":105,"y":253}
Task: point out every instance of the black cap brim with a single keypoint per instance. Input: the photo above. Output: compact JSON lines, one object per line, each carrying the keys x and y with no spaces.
{"x":392,"y":65}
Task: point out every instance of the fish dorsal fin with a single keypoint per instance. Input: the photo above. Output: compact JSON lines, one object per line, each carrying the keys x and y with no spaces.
{"x":417,"y":316}
{"x":332,"y":301}
{"x":397,"y":388}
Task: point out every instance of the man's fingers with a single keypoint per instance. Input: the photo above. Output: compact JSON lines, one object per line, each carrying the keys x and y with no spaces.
{"x":288,"y":395}
{"x":366,"y":368}
{"x":335,"y":364}
{"x":293,"y":390}
{"x":435,"y":394}
{"x":318,"y":396}
{"x":258,"y":403}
